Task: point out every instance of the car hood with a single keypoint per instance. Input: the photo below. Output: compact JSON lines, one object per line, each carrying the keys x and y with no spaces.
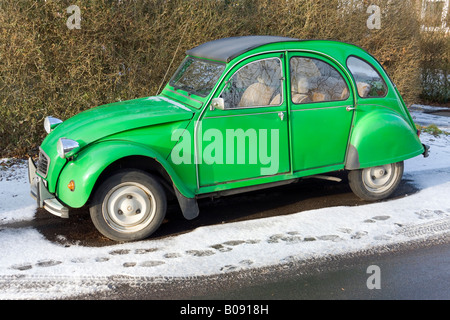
{"x":96,"y":123}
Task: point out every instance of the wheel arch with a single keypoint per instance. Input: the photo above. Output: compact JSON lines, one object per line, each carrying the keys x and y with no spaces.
{"x":380,"y":137}
{"x":95,"y":163}
{"x":138,"y":162}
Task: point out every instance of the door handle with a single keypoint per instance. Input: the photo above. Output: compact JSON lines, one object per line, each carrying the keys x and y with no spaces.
{"x":350,"y":108}
{"x":281,"y":115}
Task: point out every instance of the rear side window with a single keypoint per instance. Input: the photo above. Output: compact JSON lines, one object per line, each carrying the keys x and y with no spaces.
{"x":368,"y":81}
{"x":313,"y":80}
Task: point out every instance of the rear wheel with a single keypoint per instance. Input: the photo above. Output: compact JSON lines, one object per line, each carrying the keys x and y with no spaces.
{"x":376,"y":183}
{"x":129,"y":205}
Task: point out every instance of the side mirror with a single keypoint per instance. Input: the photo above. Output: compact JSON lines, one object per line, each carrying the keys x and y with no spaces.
{"x":217,"y":103}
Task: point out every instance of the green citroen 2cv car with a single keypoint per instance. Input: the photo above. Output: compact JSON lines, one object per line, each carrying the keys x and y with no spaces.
{"x":239,"y":114}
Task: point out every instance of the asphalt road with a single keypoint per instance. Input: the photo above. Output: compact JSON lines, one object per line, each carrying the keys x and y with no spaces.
{"x":421,"y":272}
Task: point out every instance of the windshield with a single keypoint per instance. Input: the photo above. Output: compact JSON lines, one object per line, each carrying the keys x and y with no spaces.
{"x":197,"y":76}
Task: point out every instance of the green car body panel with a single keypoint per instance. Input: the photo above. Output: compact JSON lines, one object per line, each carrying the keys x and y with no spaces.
{"x":176,"y":129}
{"x":141,"y":118}
{"x":380,"y":144}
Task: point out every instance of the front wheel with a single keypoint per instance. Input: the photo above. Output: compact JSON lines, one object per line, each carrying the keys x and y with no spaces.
{"x":376,"y":183}
{"x":130,"y":205}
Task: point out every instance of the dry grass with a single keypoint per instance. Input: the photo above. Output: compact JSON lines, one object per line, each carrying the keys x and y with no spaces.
{"x":127,"y":49}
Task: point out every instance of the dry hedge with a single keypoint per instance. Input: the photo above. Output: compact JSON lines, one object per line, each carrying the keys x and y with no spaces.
{"x":127,"y":49}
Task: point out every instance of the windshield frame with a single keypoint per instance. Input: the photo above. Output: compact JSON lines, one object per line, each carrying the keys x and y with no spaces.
{"x":195,"y":91}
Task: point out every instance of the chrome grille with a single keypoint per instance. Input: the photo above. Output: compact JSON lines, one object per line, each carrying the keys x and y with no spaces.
{"x":43,"y":162}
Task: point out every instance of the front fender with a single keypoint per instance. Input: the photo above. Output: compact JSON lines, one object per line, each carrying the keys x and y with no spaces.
{"x":86,"y":168}
{"x":381,"y":136}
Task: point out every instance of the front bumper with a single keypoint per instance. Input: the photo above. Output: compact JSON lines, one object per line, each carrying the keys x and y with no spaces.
{"x":43,"y":197}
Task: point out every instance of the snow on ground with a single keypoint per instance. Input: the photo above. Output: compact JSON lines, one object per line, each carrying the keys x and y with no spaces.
{"x":26,"y":256}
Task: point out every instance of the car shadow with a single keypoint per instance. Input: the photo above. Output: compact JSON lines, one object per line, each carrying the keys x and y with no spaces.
{"x":307,"y":194}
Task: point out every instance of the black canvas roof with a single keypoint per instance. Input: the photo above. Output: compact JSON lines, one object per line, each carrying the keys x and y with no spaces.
{"x":228,"y":48}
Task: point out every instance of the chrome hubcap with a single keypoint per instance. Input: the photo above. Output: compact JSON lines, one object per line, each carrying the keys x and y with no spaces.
{"x":129,"y":207}
{"x":379,"y":179}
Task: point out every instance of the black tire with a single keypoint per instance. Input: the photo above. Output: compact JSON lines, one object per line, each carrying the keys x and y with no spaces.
{"x":376,"y":183}
{"x":128,"y":206}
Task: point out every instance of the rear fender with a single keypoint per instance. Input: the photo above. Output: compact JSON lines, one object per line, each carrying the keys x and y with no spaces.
{"x":381,"y":136}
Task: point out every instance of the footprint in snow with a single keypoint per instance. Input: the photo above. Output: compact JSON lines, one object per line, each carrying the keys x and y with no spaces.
{"x":200,"y":253}
{"x":129,"y":264}
{"x":220,"y":247}
{"x":330,"y":237}
{"x":358,"y":235}
{"x":226,"y":246}
{"x":144,"y":251}
{"x":382,"y":237}
{"x":275,"y":238}
{"x":41,"y":263}
{"x":233,"y":242}
{"x":78,"y":260}
{"x":376,"y":218}
{"x":172,"y":255}
{"x":119,"y":252}
{"x":151,"y":263}
{"x":293,"y":237}
{"x":430,"y":214}
{"x":146,"y":264}
{"x":48,"y":263}
{"x":242,"y":264}
{"x":22,"y":267}
{"x":381,"y":218}
{"x":345,"y":230}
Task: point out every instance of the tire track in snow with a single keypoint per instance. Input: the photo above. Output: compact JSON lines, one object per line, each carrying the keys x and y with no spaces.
{"x":427,"y":228}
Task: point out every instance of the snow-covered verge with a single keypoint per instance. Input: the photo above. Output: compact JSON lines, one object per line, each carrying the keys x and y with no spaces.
{"x":27,"y":258}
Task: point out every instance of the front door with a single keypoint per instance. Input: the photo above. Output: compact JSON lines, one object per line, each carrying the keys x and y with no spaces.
{"x":249,"y":138}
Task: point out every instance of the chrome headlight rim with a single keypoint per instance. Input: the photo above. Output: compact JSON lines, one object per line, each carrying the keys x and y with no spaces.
{"x":67,"y":147}
{"x":51,"y":123}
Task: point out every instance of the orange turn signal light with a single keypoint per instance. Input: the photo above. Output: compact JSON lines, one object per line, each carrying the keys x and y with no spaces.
{"x":71,"y":185}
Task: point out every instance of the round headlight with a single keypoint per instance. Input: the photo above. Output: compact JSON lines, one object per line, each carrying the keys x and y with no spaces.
{"x":67,"y":147}
{"x":50,"y":123}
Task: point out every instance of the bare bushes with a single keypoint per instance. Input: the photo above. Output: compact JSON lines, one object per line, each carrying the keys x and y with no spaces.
{"x":435,"y":67}
{"x":129,"y":49}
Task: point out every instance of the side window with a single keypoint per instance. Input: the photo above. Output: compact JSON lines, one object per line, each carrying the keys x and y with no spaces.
{"x":313,"y":80}
{"x":257,"y":84}
{"x":368,"y":81}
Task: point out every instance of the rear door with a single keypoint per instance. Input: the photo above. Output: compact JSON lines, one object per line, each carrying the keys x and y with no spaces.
{"x":321,"y":112}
